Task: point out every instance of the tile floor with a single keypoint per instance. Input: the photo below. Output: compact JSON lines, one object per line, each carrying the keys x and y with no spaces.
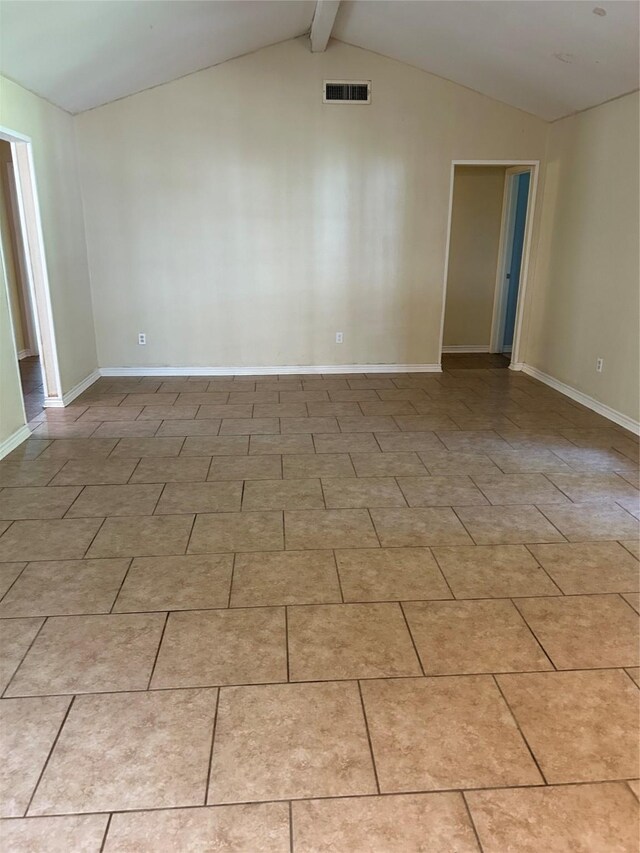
{"x":382,"y":613}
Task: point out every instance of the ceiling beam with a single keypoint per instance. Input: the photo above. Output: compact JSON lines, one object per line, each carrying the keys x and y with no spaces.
{"x":323,"y":20}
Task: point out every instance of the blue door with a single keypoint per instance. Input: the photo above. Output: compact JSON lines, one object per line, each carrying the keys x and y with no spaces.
{"x":522,"y":188}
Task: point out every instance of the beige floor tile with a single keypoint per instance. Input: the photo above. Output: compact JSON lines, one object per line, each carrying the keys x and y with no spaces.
{"x":464,"y":637}
{"x":237,"y":531}
{"x":215,"y":445}
{"x":441,"y":491}
{"x":390,"y":574}
{"x":503,"y":489}
{"x":223,"y":496}
{"x":110,"y":413}
{"x":528,"y":461}
{"x":589,"y":567}
{"x":184,"y":469}
{"x":8,"y":573}
{"x":593,"y":487}
{"x":79,"y":448}
{"x":317,"y":465}
{"x":382,"y":408}
{"x":250,"y":426}
{"x":255,"y":827}
{"x":126,"y":429}
{"x":254,"y":397}
{"x":590,"y":521}
{"x":348,"y":641}
{"x":425,"y":422}
{"x":367,"y":425}
{"x":102,"y":501}
{"x":584,"y":631}
{"x":16,"y":635}
{"x":142,"y":399}
{"x":199,"y":398}
{"x":408,"y":442}
{"x":139,"y":447}
{"x":29,"y":728}
{"x":471,"y":740}
{"x":203,"y":648}
{"x":95,"y":472}
{"x":299,"y":396}
{"x":142,"y":536}
{"x":279,"y":410}
{"x":437,"y":823}
{"x":52,"y":429}
{"x":176,"y":583}
{"x":347,"y":443}
{"x":282,"y":494}
{"x":351,"y":396}
{"x":287,"y":577}
{"x":323,"y":408}
{"x":493,"y":571}
{"x":507,"y":525}
{"x":130,"y":751}
{"x":166,"y":412}
{"x":388,"y":465}
{"x":417,"y":526}
{"x":268,"y":445}
{"x":245,"y":468}
{"x":36,"y":501}
{"x":556,"y":819}
{"x":37,"y":472}
{"x":55,"y":834}
{"x":57,"y":539}
{"x":362,"y":492}
{"x":222,"y":410}
{"x":309,"y":425}
{"x":328,"y":528}
{"x":283,"y":741}
{"x":446,"y":463}
{"x":55,"y":588}
{"x":633,"y":599}
{"x":581,"y":726}
{"x":90,"y":654}
{"x":472,"y":441}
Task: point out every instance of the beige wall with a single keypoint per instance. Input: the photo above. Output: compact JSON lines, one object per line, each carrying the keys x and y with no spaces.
{"x":237,"y":220}
{"x":9,"y":247}
{"x":476,"y":216}
{"x":585,"y":296}
{"x":55,"y":161}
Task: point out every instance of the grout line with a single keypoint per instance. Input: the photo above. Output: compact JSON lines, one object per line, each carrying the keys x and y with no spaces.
{"x":535,"y":636}
{"x":124,"y":577}
{"x":366,"y":725}
{"x":471,"y":821}
{"x":413,"y":642}
{"x":290,"y":827}
{"x":155,"y":660}
{"x":106,"y":832}
{"x":213,"y":737}
{"x":46,"y":763}
{"x":286,"y":640}
{"x":517,"y":724}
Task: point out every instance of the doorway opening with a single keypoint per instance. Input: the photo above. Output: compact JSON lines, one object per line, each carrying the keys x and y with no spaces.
{"x":23,"y":261}
{"x":490,"y":221}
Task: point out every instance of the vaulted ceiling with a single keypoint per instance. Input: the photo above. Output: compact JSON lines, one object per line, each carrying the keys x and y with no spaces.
{"x":548,"y":57}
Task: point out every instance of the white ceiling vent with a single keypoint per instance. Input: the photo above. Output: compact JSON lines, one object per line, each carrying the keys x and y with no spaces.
{"x":347,"y":92}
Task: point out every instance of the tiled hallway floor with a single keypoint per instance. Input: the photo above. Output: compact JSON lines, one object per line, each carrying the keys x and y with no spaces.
{"x":384,"y":613}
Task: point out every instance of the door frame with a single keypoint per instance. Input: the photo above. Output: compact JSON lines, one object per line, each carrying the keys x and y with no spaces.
{"x":523,"y":165}
{"x":35,"y":262}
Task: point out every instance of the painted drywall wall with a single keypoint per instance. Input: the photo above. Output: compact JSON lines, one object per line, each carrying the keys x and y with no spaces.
{"x":476,"y":217}
{"x":585,"y":301}
{"x":239,"y":221}
{"x":12,"y":417}
{"x":52,"y":133}
{"x":8,"y":237}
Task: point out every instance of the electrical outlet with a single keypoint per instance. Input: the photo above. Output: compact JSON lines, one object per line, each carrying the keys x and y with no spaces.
{"x":339,"y":337}
{"x":599,"y":365}
{"x":142,"y":339}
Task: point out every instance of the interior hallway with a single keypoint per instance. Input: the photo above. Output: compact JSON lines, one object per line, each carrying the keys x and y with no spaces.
{"x":306,"y":594}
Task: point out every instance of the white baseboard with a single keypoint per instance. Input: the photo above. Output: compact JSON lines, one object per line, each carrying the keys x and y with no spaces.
{"x":70,"y":396}
{"x":270,"y":371}
{"x":469,"y":348}
{"x":583,"y":399}
{"x":9,"y":444}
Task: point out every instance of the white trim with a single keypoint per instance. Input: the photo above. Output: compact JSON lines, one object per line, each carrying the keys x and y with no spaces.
{"x":70,"y":396}
{"x":9,"y":444}
{"x":524,"y":270}
{"x":25,"y":353}
{"x":584,"y":399}
{"x":270,"y":371}
{"x":467,"y":348}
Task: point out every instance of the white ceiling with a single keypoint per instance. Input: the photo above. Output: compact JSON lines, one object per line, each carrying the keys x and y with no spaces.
{"x":79,"y":54}
{"x":549,"y":57}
